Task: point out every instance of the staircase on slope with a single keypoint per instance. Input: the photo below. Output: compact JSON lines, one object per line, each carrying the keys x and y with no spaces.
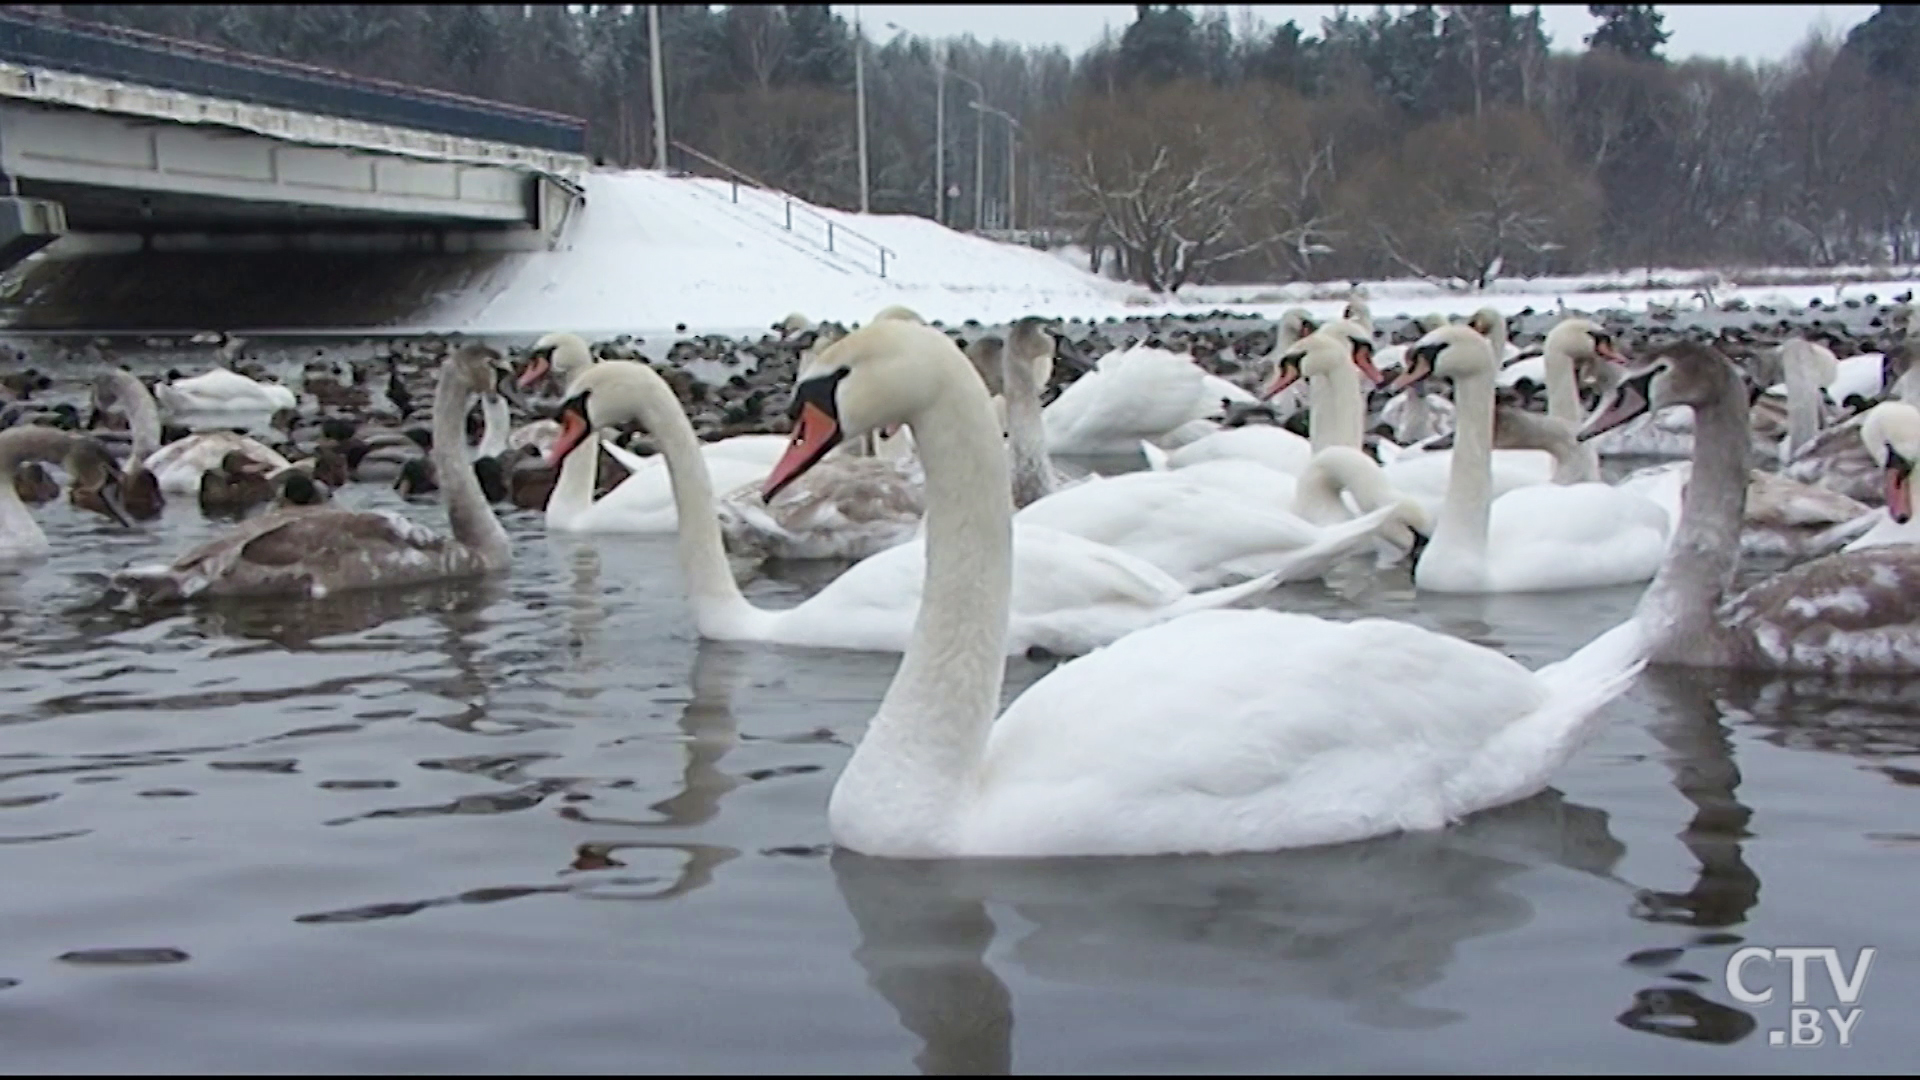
{"x":791,"y":217}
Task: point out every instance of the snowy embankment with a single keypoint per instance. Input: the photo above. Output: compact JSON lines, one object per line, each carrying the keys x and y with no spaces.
{"x":650,"y":252}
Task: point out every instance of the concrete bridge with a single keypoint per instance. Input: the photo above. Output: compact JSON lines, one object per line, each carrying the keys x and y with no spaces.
{"x":115,"y":141}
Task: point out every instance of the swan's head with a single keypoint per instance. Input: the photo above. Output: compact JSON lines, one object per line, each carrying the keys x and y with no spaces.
{"x":1453,"y":351}
{"x":1892,"y":434}
{"x":883,"y":374}
{"x":793,"y":324}
{"x":1358,"y":313}
{"x":1032,"y":340}
{"x":1323,"y":352}
{"x":558,"y":353}
{"x":1295,"y":324}
{"x":1682,"y":373}
{"x":1490,"y":324}
{"x":1581,"y":339}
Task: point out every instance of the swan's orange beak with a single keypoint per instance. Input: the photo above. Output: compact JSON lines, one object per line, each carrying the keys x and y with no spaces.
{"x":1633,"y":397}
{"x":1605,"y":351}
{"x":1284,"y":376}
{"x":537,"y":367}
{"x":1899,"y":489}
{"x":573,"y":428}
{"x":815,"y":432}
{"x":1363,"y":359}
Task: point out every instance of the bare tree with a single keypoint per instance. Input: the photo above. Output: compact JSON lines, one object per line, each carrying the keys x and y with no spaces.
{"x":1174,"y":175}
{"x":1466,"y":198}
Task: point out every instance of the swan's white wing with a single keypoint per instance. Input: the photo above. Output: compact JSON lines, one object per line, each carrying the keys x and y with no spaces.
{"x":1276,"y":448}
{"x":1244,"y":730}
{"x":1571,"y":536}
{"x":1134,"y":394}
{"x":1194,"y":531}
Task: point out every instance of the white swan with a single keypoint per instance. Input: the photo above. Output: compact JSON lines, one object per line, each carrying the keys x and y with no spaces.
{"x":565,"y":356}
{"x":1072,"y":594}
{"x":1892,"y":435}
{"x":1133,"y":394}
{"x":1213,"y":733}
{"x":1851,"y":613}
{"x":1332,"y":360}
{"x":643,"y":502}
{"x":221,"y":390}
{"x":317,"y":551}
{"x":1535,"y":538}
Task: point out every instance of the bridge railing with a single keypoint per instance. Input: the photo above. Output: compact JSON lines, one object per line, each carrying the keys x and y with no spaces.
{"x":832,"y":235}
{"x":38,"y":39}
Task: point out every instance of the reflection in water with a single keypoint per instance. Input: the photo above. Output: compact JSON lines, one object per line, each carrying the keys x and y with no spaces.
{"x":1368,"y":925}
{"x":1726,"y":889}
{"x":1701,"y":757}
{"x":709,"y":729}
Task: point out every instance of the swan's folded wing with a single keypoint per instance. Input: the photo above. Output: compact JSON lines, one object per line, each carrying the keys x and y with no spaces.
{"x":1846,"y":614}
{"x":1233,"y":729}
{"x":1058,"y":571}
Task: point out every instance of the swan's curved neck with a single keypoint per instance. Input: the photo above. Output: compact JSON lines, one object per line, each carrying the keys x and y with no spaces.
{"x":719,"y":609}
{"x":143,"y":417}
{"x":1803,"y":406}
{"x":1563,"y":386}
{"x":1679,"y":606}
{"x":498,"y":424}
{"x":1026,"y":433}
{"x":1461,"y":534}
{"x":1338,"y":415}
{"x":32,"y":442}
{"x":18,"y":530}
{"x":1573,"y":461}
{"x":468,"y":514}
{"x":924,"y":747}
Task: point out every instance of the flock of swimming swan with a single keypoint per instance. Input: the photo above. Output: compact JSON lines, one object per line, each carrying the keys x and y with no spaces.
{"x":1182,"y":724}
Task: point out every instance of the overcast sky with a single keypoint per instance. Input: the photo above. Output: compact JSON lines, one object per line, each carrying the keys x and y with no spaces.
{"x":1741,"y":31}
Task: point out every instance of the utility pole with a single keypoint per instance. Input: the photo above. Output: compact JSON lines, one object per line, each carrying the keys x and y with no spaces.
{"x":860,"y":96}
{"x":979,"y":161}
{"x":940,"y":136}
{"x":659,"y":90}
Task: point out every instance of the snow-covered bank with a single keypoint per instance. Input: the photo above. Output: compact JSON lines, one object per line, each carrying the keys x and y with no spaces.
{"x":651,"y":252}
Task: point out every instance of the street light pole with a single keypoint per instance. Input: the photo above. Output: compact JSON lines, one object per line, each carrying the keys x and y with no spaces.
{"x":659,"y":92}
{"x":860,"y":95}
{"x":1012,"y":126}
{"x":940,"y":137}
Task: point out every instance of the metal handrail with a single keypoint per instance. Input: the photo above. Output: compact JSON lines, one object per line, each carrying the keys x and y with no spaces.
{"x":194,"y":51}
{"x":735,"y":177}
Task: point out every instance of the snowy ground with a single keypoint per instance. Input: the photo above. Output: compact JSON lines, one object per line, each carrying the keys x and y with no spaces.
{"x":650,"y":253}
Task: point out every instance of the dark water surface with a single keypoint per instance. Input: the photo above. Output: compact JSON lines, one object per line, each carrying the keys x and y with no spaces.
{"x":534,"y":825}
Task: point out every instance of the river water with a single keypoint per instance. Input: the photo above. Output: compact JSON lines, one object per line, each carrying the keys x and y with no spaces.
{"x":535,"y":825}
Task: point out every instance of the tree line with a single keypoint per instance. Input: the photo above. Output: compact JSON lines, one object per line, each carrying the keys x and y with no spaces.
{"x":1445,"y":141}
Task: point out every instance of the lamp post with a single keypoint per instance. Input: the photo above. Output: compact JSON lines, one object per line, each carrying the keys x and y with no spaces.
{"x":659,"y":94}
{"x":979,"y":151}
{"x":1012,"y":126}
{"x":860,"y":99}
{"x":939,"y":129}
